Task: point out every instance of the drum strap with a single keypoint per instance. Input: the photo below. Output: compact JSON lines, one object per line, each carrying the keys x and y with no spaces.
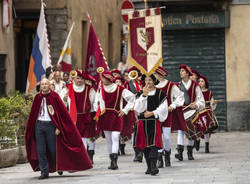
{"x":186,"y":96}
{"x":132,"y":87}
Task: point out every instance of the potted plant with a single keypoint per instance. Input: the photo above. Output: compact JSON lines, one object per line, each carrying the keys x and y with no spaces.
{"x":8,"y":142}
{"x":14,"y":111}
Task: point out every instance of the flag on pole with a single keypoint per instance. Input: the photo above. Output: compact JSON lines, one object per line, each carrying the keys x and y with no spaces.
{"x":6,"y":14}
{"x":145,"y":42}
{"x":65,"y":57}
{"x":40,"y":58}
{"x":95,"y":56}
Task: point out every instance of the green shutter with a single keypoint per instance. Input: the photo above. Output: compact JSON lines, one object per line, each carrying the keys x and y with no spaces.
{"x":203,"y":50}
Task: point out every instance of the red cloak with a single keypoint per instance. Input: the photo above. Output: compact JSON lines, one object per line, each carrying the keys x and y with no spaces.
{"x":71,"y":154}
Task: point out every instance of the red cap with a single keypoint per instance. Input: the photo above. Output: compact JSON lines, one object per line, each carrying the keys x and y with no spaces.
{"x":108,"y":75}
{"x":134,"y":68}
{"x":116,"y":71}
{"x":187,"y":68}
{"x":79,"y":74}
{"x":205,"y":79}
{"x":160,"y":70}
{"x":197,"y":73}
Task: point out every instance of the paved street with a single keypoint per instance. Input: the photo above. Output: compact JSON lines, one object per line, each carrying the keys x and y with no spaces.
{"x":228,"y":162}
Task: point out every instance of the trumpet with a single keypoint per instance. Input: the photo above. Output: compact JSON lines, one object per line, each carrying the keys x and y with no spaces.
{"x":133,"y":74}
{"x":73,"y":73}
{"x":100,"y":69}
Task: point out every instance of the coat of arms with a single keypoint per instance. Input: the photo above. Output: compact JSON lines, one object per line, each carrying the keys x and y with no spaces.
{"x":51,"y":110}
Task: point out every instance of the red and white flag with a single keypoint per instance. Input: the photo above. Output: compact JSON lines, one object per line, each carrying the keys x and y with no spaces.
{"x":95,"y":56}
{"x":65,"y":57}
{"x":145,"y":42}
{"x":6,"y":14}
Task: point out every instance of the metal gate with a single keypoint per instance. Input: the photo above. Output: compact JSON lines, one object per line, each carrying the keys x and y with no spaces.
{"x":203,"y":50}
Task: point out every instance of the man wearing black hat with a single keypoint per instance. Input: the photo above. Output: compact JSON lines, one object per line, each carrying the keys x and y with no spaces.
{"x":152,"y":108}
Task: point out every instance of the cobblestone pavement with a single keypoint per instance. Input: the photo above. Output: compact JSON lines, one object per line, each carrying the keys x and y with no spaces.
{"x":228,"y":162}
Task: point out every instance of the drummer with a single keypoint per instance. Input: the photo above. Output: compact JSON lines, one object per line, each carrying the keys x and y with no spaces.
{"x":210,"y":104}
{"x":194,"y":100}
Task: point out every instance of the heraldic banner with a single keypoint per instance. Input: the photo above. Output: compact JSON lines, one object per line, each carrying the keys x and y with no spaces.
{"x":145,"y":42}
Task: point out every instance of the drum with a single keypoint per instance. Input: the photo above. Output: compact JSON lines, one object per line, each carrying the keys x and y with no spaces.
{"x":213,"y":123}
{"x":197,"y":123}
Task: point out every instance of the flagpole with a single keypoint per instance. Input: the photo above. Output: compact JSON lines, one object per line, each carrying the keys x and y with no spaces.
{"x":66,"y":43}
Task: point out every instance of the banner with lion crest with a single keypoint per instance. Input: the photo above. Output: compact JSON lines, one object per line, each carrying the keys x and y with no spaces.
{"x":145,"y":41}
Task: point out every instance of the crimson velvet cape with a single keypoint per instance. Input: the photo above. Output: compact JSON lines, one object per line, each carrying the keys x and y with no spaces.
{"x":71,"y":154}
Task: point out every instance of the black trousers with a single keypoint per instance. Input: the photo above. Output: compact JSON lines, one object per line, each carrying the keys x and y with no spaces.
{"x":45,"y":138}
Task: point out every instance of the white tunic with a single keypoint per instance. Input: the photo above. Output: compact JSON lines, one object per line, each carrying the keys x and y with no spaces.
{"x":126,"y":94}
{"x":199,"y":100}
{"x":59,"y":86}
{"x":161,"y":112}
{"x":78,"y":89}
{"x":43,"y":114}
{"x":177,"y":96}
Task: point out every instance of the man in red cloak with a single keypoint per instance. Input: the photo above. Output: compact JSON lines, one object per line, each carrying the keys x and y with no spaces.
{"x":53,"y":142}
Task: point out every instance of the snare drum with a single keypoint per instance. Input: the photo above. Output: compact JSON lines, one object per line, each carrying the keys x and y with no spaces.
{"x":189,"y":115}
{"x":197,"y":124}
{"x":213,"y":123}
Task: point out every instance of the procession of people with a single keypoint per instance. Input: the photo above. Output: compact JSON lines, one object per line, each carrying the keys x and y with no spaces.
{"x":69,"y":116}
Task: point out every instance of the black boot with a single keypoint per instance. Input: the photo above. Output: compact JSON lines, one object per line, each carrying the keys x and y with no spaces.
{"x":160,"y":160}
{"x":146,"y":156}
{"x":136,"y":153}
{"x":167,"y":158}
{"x":111,"y":161}
{"x":122,"y":149}
{"x":60,"y":173}
{"x":180,"y":150}
{"x":154,"y":169}
{"x":91,"y":155}
{"x":190,"y":152}
{"x":43,"y":176}
{"x":139,"y":156}
{"x":197,"y":144}
{"x":115,"y":158}
{"x":207,"y":147}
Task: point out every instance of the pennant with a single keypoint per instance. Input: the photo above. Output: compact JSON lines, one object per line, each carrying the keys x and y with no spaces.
{"x":40,"y":58}
{"x":65,"y":57}
{"x":95,"y":56}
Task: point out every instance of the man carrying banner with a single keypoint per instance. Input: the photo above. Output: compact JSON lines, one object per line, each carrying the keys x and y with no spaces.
{"x":51,"y":138}
{"x":81,"y":96}
{"x":109,"y":107}
{"x":145,"y":43}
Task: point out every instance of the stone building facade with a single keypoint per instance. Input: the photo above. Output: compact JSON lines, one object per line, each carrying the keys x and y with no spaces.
{"x":60,"y":14}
